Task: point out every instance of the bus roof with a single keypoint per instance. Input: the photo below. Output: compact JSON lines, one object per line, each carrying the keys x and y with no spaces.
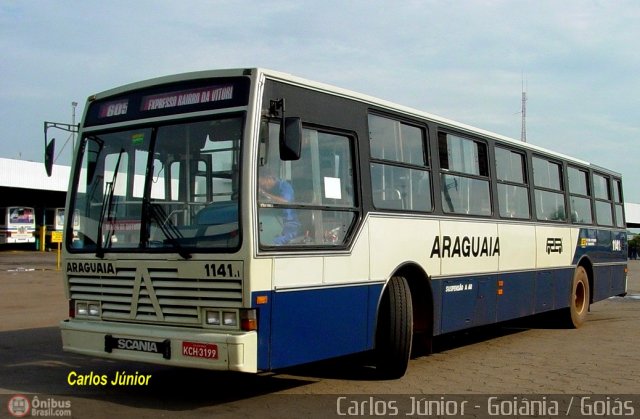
{"x":260,"y":73}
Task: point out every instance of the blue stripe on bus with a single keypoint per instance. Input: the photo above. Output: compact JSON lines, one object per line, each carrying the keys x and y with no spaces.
{"x":301,"y":326}
{"x":486,"y":299}
{"x":598,"y":244}
{"x":611,"y":280}
{"x":476,"y":301}
{"x":314,"y":324}
{"x":297,"y":327}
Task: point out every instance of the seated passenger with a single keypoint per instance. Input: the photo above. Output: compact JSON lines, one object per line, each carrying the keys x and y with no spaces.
{"x":280,"y":191}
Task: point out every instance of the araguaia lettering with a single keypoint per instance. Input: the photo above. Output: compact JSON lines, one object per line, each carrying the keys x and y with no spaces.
{"x":91,"y":267}
{"x":465,"y":246}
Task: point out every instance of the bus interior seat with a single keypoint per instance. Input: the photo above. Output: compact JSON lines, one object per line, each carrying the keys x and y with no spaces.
{"x":391,"y":199}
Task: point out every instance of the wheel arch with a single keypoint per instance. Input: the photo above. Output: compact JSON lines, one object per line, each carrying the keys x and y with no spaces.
{"x":587,"y":264}
{"x":422,"y":304}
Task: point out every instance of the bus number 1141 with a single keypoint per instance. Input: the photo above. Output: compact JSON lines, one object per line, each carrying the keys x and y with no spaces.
{"x":221,"y":270}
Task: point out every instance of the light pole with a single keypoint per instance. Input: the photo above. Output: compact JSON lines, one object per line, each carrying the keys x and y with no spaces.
{"x":73,"y":122}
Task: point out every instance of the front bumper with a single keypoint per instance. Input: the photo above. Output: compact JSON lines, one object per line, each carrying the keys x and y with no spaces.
{"x":236,"y":351}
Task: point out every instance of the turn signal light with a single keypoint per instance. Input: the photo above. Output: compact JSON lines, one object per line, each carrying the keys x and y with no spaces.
{"x":248,"y":320}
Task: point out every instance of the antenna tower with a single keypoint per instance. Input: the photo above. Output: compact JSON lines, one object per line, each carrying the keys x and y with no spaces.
{"x":523,"y":133}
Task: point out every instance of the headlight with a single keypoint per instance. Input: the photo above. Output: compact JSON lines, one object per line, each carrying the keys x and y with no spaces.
{"x":229,"y":318}
{"x":82,"y":309}
{"x":87,"y":309}
{"x":213,"y":317}
{"x":242,"y":319}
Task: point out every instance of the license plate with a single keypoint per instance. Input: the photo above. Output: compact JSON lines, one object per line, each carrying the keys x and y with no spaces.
{"x":200,"y":350}
{"x":139,"y":345}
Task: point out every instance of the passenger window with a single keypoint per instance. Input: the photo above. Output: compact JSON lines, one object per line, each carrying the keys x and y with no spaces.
{"x":547,"y":174}
{"x":400,"y":175}
{"x":513,"y":192}
{"x":549,"y":194}
{"x":579,"y":196}
{"x":602,"y":194}
{"x":310,"y":201}
{"x":601,"y":187}
{"x":617,"y":199}
{"x":464,"y":175}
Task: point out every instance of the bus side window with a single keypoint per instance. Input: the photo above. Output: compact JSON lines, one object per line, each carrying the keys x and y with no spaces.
{"x":549,"y":190}
{"x":513,"y":191}
{"x":400,"y":175}
{"x":321,"y":206}
{"x":464,"y":174}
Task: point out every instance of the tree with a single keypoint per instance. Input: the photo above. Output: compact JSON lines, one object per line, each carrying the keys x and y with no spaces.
{"x":634,"y":245}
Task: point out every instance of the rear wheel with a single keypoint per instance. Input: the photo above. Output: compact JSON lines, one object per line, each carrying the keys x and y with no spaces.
{"x":580,"y":297}
{"x":394,"y":332}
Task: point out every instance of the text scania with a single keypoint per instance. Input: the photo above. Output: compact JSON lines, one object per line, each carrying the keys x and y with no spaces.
{"x":91,"y":267}
{"x":137,"y":345}
{"x":449,"y":247}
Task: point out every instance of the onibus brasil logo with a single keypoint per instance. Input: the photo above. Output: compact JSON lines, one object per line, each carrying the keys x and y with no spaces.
{"x":19,"y":406}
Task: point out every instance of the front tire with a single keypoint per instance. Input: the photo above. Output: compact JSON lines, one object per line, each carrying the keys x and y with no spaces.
{"x":394,"y":333}
{"x":580,"y":297}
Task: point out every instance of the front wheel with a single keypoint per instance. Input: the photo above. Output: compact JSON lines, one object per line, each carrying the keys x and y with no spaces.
{"x":394,"y":332}
{"x":580,"y":297}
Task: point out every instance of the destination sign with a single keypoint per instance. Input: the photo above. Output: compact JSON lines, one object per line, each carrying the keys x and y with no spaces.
{"x":175,"y":98}
{"x":187,"y":97}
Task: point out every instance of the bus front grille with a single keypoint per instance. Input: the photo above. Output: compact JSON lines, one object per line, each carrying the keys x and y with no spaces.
{"x":156,"y":295}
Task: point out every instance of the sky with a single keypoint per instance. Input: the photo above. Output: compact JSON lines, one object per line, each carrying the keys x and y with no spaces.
{"x":464,"y":60}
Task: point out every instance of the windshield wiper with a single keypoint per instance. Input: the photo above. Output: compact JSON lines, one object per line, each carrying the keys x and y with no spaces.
{"x":171,"y":232}
{"x":107,"y":203}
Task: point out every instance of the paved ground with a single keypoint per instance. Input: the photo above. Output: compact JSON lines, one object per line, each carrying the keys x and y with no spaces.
{"x":528,"y":357}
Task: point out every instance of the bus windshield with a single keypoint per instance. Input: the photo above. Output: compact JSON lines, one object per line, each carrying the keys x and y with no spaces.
{"x":21,"y":215}
{"x":168,"y":188}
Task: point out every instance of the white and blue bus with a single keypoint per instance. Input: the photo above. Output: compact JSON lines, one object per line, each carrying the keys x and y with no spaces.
{"x":17,"y":225}
{"x":250,"y":220}
{"x":54,"y":223}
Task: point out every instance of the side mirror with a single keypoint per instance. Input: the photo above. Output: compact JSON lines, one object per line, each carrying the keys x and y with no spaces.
{"x":48,"y":156}
{"x":290,"y":138}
